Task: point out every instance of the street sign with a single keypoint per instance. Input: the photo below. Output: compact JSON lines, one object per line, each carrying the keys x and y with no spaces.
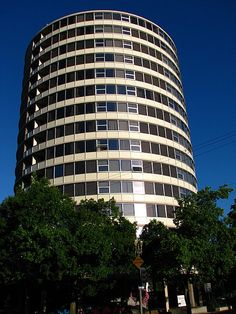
{"x":138,"y":262}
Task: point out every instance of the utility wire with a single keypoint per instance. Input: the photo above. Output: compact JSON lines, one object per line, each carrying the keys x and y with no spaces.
{"x":215,"y":148}
{"x":215,"y":140}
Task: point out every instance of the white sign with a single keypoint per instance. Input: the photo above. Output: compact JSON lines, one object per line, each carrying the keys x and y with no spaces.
{"x":181,"y":300}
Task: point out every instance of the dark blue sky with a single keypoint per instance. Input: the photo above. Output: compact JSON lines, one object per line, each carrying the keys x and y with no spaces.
{"x":204,"y":32}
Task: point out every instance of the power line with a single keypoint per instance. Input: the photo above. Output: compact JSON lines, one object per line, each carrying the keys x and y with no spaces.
{"x":215,"y":148}
{"x":215,"y":140}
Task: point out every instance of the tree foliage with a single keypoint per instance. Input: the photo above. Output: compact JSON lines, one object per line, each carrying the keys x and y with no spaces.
{"x":205,"y":239}
{"x":45,"y":239}
{"x":37,"y":232}
{"x":201,"y":243}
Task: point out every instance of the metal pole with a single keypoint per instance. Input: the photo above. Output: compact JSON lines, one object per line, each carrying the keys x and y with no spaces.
{"x":140,"y":300}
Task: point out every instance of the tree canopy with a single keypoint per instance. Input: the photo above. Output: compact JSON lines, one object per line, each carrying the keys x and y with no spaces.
{"x":46,"y":239}
{"x":200,"y":247}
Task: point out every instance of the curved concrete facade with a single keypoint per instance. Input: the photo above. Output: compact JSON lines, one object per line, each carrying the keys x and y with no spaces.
{"x":103,"y":114}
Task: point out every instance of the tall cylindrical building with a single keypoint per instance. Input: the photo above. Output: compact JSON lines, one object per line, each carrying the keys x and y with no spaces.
{"x":103,"y":114}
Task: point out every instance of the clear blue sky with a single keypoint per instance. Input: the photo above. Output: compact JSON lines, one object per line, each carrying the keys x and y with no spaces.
{"x":205,"y":35}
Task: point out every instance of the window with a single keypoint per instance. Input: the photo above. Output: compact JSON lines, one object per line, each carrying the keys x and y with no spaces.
{"x":110,"y":73}
{"x":125,"y":165}
{"x":127,"y":44}
{"x":59,"y":150}
{"x":112,"y":125}
{"x":135,"y":145}
{"x":161,"y":212}
{"x":117,"y":29}
{"x":180,"y":174}
{"x":121,"y":89}
{"x":127,"y":187}
{"x":100,"y":89}
{"x":128,"y":59}
{"x":69,"y":111}
{"x":137,"y":165}
{"x":51,"y":134}
{"x":115,"y":186}
{"x":134,"y":126}
{"x":108,"y":42}
{"x":58,"y":171}
{"x":100,"y":72}
{"x":183,"y":192}
{"x":91,"y":188}
{"x":119,"y":58}
{"x":69,"y":129}
{"x":101,"y":106}
{"x":138,"y":187}
{"x":99,"y":42}
{"x":178,"y":155}
{"x":91,"y":166}
{"x":129,"y":74}
{"x":69,"y":189}
{"x":60,"y":131}
{"x":170,"y":211}
{"x":132,"y":108}
{"x":149,"y":188}
{"x":98,"y":15}
{"x":101,"y":125}
{"x":109,"y":57}
{"x":123,"y":125}
{"x":116,"y":16}
{"x":69,"y":169}
{"x":102,"y":145}
{"x":130,"y":90}
{"x":125,"y":17}
{"x":49,"y":172}
{"x":69,"y":148}
{"x":165,"y":170}
{"x":151,"y":210}
{"x":156,"y":168}
{"x":126,"y":30}
{"x":103,"y":187}
{"x":145,"y":146}
{"x":108,"y":29}
{"x":90,"y":146}
{"x":175,"y":136}
{"x":113,"y":144}
{"x":98,"y":28}
{"x":128,"y":209}
{"x":114,"y":165}
{"x":110,"y":89}
{"x":173,"y":119}
{"x":173,"y":171}
{"x":100,"y":57}
{"x":159,"y":189}
{"x":79,"y":167}
{"x":50,"y":152}
{"x":111,"y":106}
{"x":102,"y":165}
{"x":168,"y":190}
{"x":80,"y":189}
{"x":90,"y":126}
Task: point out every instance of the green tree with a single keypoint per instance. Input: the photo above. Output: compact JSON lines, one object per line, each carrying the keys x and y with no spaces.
{"x":200,"y":247}
{"x":37,"y":227}
{"x":48,"y":245}
{"x":159,"y":251}
{"x":106,"y":249}
{"x":204,"y":234}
